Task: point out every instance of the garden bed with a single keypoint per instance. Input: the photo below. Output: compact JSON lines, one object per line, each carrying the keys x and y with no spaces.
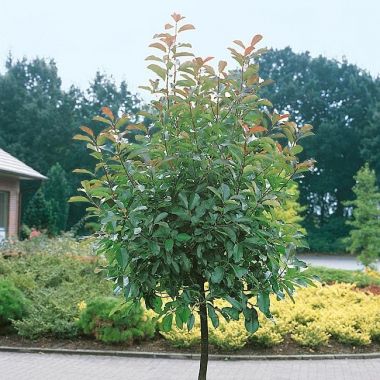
{"x":68,"y":305}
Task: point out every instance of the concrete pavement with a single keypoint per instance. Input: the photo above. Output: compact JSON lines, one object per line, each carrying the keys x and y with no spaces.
{"x":21,"y":366}
{"x":333,"y":261}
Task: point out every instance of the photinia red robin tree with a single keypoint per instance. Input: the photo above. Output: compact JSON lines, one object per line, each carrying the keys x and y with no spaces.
{"x":186,"y":207}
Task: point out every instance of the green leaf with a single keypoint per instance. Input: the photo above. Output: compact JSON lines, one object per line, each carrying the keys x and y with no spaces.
{"x":236,"y":304}
{"x":166,"y":323}
{"x":157,"y":304}
{"x":158,"y":70}
{"x":239,"y":271}
{"x":213,"y":316}
{"x":263,"y":302}
{"x":159,"y":217}
{"x":251,"y":320}
{"x":83,"y":171}
{"x":237,"y":253}
{"x":83,"y":138}
{"x":183,"y":237}
{"x":169,"y":245}
{"x":225,"y":191}
{"x":217,"y":275}
{"x":190,"y":322}
{"x":78,"y":198}
{"x":183,"y":200}
{"x":232,"y":313}
{"x":194,"y":201}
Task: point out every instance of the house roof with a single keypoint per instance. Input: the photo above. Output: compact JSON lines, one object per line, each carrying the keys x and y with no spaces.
{"x":12,"y":166}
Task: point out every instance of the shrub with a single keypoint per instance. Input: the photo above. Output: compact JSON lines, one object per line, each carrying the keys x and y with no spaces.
{"x":320,"y":313}
{"x":61,"y":245}
{"x":13,"y":304}
{"x":311,"y":335}
{"x":54,"y":283}
{"x":126,"y":324}
{"x":359,"y":278}
{"x":182,"y":338}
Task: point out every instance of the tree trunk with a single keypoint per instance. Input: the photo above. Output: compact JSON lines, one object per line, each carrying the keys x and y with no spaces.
{"x":204,"y":334}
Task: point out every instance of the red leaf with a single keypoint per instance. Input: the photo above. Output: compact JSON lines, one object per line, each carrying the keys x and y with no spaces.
{"x":207,"y":59}
{"x":168,"y":26}
{"x":238,"y":42}
{"x":108,"y":113}
{"x":222,"y":65}
{"x":177,"y":17}
{"x":249,"y":50}
{"x":256,"y":39}
{"x":185,"y":27}
{"x":279,"y":147}
{"x":284,"y":116}
{"x":257,"y":128}
{"x":87,"y":130}
{"x":157,"y":45}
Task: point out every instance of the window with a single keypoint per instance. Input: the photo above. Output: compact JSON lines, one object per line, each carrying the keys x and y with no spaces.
{"x":4,"y":214}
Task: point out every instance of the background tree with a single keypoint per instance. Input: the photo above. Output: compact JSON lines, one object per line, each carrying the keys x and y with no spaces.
{"x":188,"y":212}
{"x":364,"y":237}
{"x":38,"y":119}
{"x":56,"y":191}
{"x":38,"y":214}
{"x":338,"y":99}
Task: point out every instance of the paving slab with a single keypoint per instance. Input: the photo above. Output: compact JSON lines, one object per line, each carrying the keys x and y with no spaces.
{"x":26,"y":366}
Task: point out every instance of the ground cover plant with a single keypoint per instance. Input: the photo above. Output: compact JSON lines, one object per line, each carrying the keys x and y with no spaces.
{"x":320,"y":315}
{"x":360,"y":278}
{"x":187,"y":208}
{"x":53,"y":282}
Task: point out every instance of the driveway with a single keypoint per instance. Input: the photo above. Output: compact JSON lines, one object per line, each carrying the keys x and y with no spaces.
{"x":20,"y":366}
{"x":333,"y":261}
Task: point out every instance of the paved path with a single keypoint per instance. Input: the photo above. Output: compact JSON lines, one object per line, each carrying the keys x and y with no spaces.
{"x":334,"y":261}
{"x":19,"y":366}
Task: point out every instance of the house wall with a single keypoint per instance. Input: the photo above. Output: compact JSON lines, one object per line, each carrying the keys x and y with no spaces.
{"x":12,"y":185}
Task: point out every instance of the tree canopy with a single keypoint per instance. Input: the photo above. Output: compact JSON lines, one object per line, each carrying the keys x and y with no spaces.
{"x":187,"y":215}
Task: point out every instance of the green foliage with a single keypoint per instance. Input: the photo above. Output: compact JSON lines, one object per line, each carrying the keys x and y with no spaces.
{"x":290,"y":212}
{"x":110,"y":322}
{"x":194,"y":202}
{"x":55,"y":282}
{"x":364,"y":237}
{"x":13,"y":304}
{"x":329,"y":276}
{"x":38,"y":214}
{"x":57,"y":191}
{"x":339,"y":99}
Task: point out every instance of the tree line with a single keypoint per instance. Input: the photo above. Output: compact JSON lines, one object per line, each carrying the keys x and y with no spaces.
{"x":38,"y":119}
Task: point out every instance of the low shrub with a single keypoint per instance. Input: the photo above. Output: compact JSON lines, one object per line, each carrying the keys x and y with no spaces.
{"x":320,"y":313}
{"x":360,"y":278}
{"x":311,"y":335}
{"x":13,"y":303}
{"x":64,"y":244}
{"x":54,"y":284}
{"x":111,"y":322}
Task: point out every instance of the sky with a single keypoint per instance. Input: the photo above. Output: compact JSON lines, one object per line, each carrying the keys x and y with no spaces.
{"x":112,"y":36}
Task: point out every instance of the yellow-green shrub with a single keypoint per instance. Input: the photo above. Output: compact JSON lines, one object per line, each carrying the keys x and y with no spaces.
{"x":311,"y":335}
{"x":338,"y":311}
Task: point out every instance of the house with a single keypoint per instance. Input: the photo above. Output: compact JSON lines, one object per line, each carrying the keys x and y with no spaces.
{"x":12,"y":171}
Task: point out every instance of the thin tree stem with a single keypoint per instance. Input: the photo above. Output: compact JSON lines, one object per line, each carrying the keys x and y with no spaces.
{"x":204,"y":334}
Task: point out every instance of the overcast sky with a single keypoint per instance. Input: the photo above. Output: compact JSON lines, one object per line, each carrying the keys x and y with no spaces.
{"x":112,"y":36}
